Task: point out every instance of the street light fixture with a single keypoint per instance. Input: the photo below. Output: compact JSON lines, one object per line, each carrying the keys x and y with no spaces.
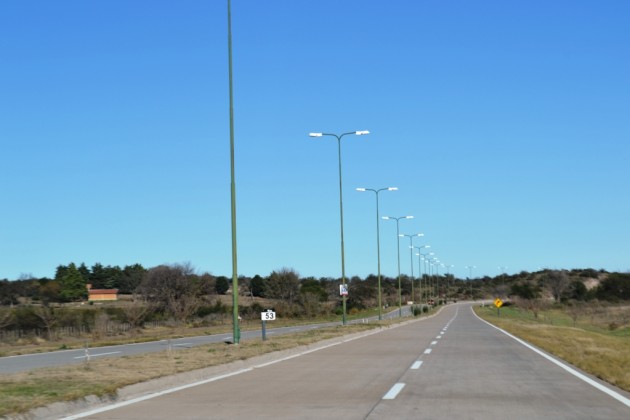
{"x":378,"y":244}
{"x":411,"y":258}
{"x":397,"y":219}
{"x":343,"y":261}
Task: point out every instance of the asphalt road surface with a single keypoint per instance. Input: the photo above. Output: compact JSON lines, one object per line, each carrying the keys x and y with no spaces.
{"x":452,"y":365}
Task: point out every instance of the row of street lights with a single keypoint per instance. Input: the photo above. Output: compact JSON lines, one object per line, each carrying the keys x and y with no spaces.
{"x":376,"y":192}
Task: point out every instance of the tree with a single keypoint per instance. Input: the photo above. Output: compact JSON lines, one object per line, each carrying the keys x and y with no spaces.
{"x":173,"y":289}
{"x":136,"y":313}
{"x":577,"y":290}
{"x":314,"y":287}
{"x":615,"y":287}
{"x":48,"y":318}
{"x":257,"y":286}
{"x":525,"y":290}
{"x":6,"y":318}
{"x":72,"y":285}
{"x":130,"y":278}
{"x":558,"y":283}
{"x":283,"y":284}
{"x":222,"y":285}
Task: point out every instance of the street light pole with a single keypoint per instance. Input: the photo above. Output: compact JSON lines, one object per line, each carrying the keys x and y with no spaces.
{"x":448,"y":274}
{"x":397,"y":219}
{"x":343,"y":260}
{"x":470,"y":268}
{"x":420,"y":257}
{"x":411,"y":259}
{"x":378,"y":244}
{"x":236,"y":335}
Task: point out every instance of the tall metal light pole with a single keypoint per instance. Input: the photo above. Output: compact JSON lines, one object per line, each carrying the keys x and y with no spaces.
{"x":470,"y":269}
{"x":448,"y":274}
{"x":411,"y":259}
{"x":343,"y":258}
{"x":420,"y":257}
{"x":236,"y":329}
{"x":397,"y":219}
{"x":378,"y":244}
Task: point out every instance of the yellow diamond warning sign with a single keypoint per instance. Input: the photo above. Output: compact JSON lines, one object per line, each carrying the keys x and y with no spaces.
{"x":498,"y":302}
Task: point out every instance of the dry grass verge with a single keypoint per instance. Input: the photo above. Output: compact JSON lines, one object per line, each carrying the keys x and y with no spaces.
{"x":603,"y":354}
{"x":22,"y":392}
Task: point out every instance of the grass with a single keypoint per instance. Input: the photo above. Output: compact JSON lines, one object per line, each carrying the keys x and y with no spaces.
{"x":596,"y":350}
{"x":22,"y":392}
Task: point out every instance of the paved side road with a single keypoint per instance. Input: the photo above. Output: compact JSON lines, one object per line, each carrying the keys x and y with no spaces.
{"x":14,"y":364}
{"x":452,"y":365}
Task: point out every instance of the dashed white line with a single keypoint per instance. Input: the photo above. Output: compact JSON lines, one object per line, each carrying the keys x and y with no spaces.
{"x":427,"y":351}
{"x":433,"y":343}
{"x":394,"y":391}
{"x":98,"y":354}
{"x":416,"y":365}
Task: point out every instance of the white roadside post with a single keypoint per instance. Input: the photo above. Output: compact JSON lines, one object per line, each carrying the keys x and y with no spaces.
{"x":268,"y":315}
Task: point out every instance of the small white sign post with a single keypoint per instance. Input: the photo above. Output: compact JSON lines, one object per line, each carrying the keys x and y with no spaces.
{"x":268,"y":315}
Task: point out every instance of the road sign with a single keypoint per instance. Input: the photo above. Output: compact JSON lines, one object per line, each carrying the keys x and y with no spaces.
{"x":343,"y":290}
{"x":268,"y":315}
{"x":498,"y":302}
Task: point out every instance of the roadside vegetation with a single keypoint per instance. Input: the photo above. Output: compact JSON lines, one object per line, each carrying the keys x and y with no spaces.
{"x":592,"y":336}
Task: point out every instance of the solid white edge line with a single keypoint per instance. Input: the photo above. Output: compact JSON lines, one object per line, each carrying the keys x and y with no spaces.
{"x":393,"y":392}
{"x":569,"y":369}
{"x":153,"y":395}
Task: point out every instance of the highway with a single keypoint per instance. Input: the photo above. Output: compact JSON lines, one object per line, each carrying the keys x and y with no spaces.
{"x":452,"y":365}
{"x":27,"y":362}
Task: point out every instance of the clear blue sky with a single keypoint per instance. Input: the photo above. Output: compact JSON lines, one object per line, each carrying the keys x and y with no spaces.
{"x":504,"y":124}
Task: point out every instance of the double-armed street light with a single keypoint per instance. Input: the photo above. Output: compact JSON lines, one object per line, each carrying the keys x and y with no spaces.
{"x":343,"y":262}
{"x":397,"y":219}
{"x":378,"y":243}
{"x":411,"y":258}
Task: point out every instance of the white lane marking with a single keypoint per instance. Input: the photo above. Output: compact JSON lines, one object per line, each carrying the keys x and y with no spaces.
{"x":393,"y":392}
{"x":150,"y":396}
{"x":416,"y":365}
{"x":433,"y":343}
{"x":98,"y":354}
{"x":438,"y":337}
{"x":427,"y":351}
{"x":572,"y":371}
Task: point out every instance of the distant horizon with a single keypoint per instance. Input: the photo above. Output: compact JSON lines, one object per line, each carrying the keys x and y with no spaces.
{"x":348,"y":277}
